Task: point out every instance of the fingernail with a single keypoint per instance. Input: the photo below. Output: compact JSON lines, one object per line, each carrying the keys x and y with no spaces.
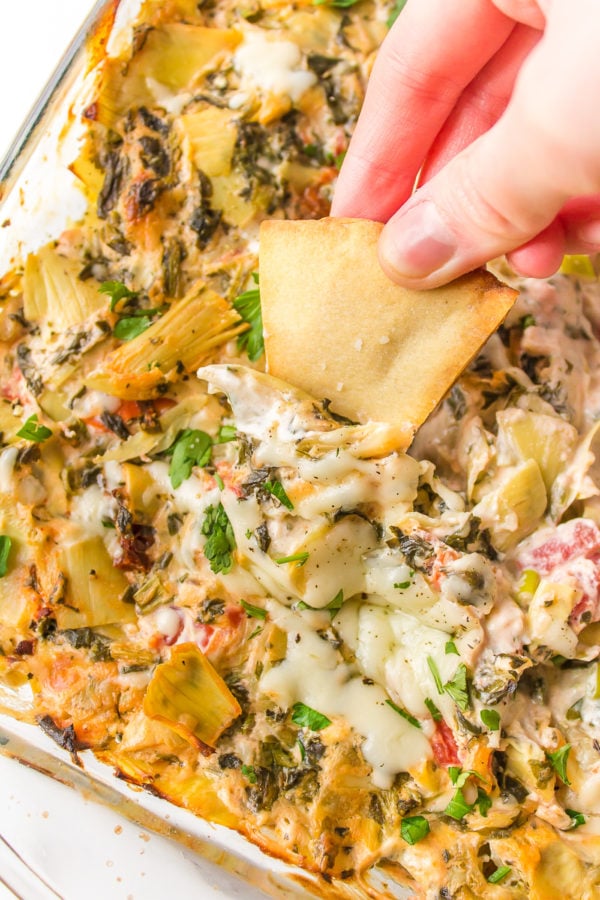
{"x":417,"y":242}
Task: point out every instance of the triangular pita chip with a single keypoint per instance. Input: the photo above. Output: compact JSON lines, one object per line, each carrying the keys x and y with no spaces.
{"x":336,"y":326}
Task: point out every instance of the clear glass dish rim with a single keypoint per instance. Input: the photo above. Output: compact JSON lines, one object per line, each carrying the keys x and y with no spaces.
{"x":41,"y":113}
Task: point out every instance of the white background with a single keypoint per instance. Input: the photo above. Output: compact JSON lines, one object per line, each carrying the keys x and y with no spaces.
{"x":35,"y":33}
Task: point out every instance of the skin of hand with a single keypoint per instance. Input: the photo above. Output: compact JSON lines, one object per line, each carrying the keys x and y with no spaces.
{"x":489,"y":108}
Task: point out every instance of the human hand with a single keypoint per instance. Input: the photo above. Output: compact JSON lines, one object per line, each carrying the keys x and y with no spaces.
{"x":494,"y":103}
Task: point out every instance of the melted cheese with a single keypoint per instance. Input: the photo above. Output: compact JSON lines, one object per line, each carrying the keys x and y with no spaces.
{"x":312,"y":674}
{"x":272,"y":66}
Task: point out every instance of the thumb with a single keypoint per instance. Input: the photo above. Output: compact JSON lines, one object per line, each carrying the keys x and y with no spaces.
{"x":498,"y":193}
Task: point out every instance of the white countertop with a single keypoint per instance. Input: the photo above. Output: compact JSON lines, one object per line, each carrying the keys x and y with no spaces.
{"x":35,"y":33}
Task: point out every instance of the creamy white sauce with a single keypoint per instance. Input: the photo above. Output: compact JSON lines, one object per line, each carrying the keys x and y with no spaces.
{"x":93,"y":403}
{"x":8,"y":457}
{"x":312,"y":674}
{"x":273,"y":66}
{"x":91,"y":508}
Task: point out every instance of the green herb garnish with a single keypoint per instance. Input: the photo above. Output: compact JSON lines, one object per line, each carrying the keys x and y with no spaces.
{"x":490,"y":718}
{"x":577,"y":818}
{"x":249,"y":773}
{"x":459,"y":777}
{"x":483,"y":802}
{"x":458,"y":806}
{"x":574,"y":711}
{"x":309,"y":718}
{"x":299,"y":558}
{"x":403,"y":585}
{"x":332,"y":607}
{"x":117,"y":291}
{"x":405,"y":715}
{"x":396,"y":10}
{"x":129,"y":327}
{"x":450,"y":648}
{"x":559,"y":762}
{"x":277,"y":490}
{"x":255,"y":612}
{"x":191,"y":448}
{"x":226,"y":433}
{"x":457,"y":687}
{"x":435,"y":713}
{"x":338,"y":4}
{"x":499,"y":875}
{"x":436,"y":674}
{"x":248,"y":306}
{"x":526,"y":321}
{"x":5,"y":545}
{"x":414,"y":828}
{"x":220,"y":544}
{"x":31,"y":431}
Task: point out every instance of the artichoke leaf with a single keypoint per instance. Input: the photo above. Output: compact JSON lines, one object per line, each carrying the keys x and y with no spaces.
{"x":189,"y":695}
{"x":515,"y":507}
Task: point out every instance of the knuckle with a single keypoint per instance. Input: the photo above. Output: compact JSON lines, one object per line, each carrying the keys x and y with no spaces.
{"x":475,"y":206}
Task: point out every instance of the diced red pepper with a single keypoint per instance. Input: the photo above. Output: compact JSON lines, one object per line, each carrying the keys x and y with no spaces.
{"x":570,"y":540}
{"x":445,"y":751}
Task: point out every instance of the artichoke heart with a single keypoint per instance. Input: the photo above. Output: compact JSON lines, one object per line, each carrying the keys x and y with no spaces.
{"x":524,"y":435}
{"x":137,"y":369}
{"x":188,"y":695}
{"x":53,"y":294}
{"x":514,"y":509}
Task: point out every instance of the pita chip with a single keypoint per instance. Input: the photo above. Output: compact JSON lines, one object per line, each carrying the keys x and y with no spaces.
{"x":337,"y":327}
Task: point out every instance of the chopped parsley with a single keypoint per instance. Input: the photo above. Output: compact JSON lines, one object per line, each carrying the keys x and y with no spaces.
{"x":249,"y":773}
{"x":483,"y":802}
{"x":577,"y":818}
{"x":435,"y":713}
{"x":559,"y":761}
{"x":526,"y":321}
{"x":396,"y":10}
{"x":248,"y":307}
{"x":220,"y":542}
{"x":117,"y":291}
{"x":458,"y":806}
{"x":332,"y":607}
{"x":403,"y":585}
{"x":128,"y":327}
{"x":450,"y":648}
{"x":499,"y":875}
{"x":132,"y":321}
{"x":5,"y":545}
{"x":226,"y":433}
{"x":277,"y":490}
{"x":457,"y":687}
{"x":298,"y":558}
{"x":255,"y":612}
{"x":31,"y":431}
{"x":436,"y":674}
{"x":191,"y":448}
{"x":405,"y":715}
{"x":459,"y":777}
{"x":309,"y":718}
{"x":490,"y":718}
{"x":338,"y":4}
{"x":414,"y":828}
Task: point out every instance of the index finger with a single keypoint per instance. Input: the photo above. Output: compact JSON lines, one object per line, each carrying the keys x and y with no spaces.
{"x":434,"y":49}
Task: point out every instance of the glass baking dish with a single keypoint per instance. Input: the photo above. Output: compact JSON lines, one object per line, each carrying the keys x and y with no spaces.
{"x":53,"y":839}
